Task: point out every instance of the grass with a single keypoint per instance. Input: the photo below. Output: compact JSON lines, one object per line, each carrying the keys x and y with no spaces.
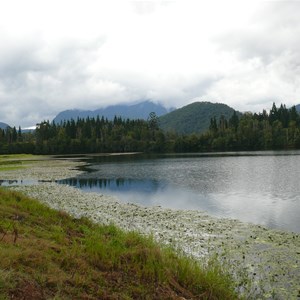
{"x":47,"y":254}
{"x":8,"y":165}
{"x":16,"y":161}
{"x":17,"y":156}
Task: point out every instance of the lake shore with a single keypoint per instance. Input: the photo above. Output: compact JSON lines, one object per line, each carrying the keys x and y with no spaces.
{"x":265,"y":262}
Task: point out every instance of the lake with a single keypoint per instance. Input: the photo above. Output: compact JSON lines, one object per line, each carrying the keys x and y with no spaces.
{"x":257,"y":187}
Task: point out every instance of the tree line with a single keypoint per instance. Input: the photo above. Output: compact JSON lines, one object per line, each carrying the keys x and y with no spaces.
{"x":278,"y":129}
{"x":86,"y":136}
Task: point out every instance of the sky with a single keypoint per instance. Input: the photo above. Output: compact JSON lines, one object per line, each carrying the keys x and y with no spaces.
{"x":87,"y":54}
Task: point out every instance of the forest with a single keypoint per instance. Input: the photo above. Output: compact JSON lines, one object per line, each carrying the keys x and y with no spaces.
{"x":277,"y":129}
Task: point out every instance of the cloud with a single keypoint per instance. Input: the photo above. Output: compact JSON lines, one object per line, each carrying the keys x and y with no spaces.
{"x":265,"y":58}
{"x":256,"y":85}
{"x":57,"y":77}
{"x":75,"y":54}
{"x":273,"y":30}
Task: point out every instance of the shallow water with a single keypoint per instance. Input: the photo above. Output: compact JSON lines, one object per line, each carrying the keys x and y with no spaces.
{"x":258,"y":187}
{"x":13,"y":182}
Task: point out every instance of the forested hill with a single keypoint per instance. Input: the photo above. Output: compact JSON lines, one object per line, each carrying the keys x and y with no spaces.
{"x":135,"y":111}
{"x":276,"y":130}
{"x":195,"y":117}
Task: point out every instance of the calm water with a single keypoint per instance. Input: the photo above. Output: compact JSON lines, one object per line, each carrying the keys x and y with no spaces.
{"x":257,"y":187}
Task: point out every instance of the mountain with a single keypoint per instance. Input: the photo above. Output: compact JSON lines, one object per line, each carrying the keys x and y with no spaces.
{"x":195,"y":117}
{"x":135,"y":111}
{"x":298,"y":108}
{"x":3,"y":125}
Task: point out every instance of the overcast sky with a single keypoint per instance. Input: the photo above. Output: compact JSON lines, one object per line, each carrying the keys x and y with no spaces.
{"x":65,"y":54}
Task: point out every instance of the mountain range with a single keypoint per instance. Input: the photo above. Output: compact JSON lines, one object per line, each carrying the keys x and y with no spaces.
{"x":135,"y":111}
{"x":3,"y":125}
{"x":192,"y":118}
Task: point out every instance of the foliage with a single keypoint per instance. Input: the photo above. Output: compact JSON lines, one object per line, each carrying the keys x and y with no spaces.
{"x":46,"y":254}
{"x":278,"y":129}
{"x":88,"y":135}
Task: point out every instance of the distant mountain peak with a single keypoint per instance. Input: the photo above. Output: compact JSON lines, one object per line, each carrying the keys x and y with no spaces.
{"x":3,"y":125}
{"x":139,"y":110}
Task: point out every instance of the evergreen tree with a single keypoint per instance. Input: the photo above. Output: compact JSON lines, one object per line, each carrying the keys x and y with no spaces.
{"x":234,"y":121}
{"x":273,"y":116}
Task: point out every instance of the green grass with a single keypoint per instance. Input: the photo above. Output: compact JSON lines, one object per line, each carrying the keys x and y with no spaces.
{"x":16,"y":161}
{"x":8,"y":165}
{"x":46,"y":254}
{"x":17,"y":156}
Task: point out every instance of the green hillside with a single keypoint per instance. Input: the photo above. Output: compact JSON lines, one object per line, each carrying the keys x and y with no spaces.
{"x":195,"y":117}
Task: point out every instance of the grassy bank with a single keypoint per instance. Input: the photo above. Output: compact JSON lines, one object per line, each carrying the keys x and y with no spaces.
{"x":16,"y":161}
{"x":46,"y":254}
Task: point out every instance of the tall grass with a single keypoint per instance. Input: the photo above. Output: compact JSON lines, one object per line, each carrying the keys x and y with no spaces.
{"x":46,"y":254}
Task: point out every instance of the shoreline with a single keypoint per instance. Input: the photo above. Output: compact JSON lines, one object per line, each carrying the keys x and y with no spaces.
{"x":269,"y":260}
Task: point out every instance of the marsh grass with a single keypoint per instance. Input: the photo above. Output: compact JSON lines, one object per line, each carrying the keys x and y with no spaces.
{"x":8,"y":165}
{"x":18,"y":156}
{"x":14,"y":161}
{"x":46,"y":254}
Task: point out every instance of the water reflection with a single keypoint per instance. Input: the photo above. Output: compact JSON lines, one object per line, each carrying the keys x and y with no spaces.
{"x":145,"y":192}
{"x":112,"y":185}
{"x":14,"y":182}
{"x":262,"y":188}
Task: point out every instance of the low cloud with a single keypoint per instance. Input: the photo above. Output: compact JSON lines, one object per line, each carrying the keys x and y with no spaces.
{"x":174,"y":53}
